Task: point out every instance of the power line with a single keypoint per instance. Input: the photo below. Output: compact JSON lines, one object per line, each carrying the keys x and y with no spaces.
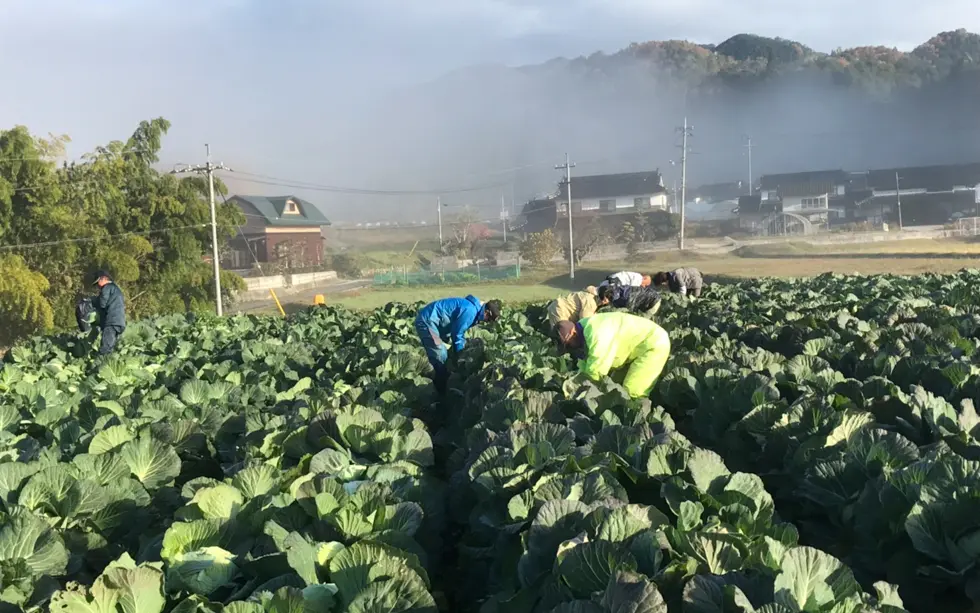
{"x":299,"y":184}
{"x":100,"y":238}
{"x":267,"y":180}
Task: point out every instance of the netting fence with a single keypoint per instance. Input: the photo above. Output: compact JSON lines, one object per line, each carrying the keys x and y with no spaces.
{"x":472,"y":274}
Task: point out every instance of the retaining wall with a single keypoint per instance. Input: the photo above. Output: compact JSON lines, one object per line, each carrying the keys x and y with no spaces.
{"x":254,"y":284}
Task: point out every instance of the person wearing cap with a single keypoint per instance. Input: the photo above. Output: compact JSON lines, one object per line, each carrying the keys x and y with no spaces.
{"x":578,"y":305}
{"x":111,"y":311}
{"x":683,"y":281}
{"x":613,"y":340}
{"x":445,"y":322}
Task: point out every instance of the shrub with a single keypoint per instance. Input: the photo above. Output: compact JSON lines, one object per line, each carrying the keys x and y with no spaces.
{"x":541,"y":247}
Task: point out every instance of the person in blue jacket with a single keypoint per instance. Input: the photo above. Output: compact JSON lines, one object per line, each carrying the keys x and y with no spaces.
{"x":446,"y":321}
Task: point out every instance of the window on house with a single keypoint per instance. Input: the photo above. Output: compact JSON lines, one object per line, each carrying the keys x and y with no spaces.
{"x":588,"y":205}
{"x":290,"y":208}
{"x":641,"y":202}
{"x":607,"y":205}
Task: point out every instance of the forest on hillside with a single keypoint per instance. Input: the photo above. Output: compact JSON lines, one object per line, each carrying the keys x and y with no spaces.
{"x":747,"y":60}
{"x":857,"y":108}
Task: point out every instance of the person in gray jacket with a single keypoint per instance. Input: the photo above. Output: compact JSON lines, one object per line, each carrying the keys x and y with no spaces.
{"x":111,"y":311}
{"x":683,"y":281}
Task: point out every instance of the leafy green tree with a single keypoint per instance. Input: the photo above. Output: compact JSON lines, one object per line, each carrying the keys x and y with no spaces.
{"x":541,"y":247}
{"x":24,"y":309}
{"x":114,"y":211}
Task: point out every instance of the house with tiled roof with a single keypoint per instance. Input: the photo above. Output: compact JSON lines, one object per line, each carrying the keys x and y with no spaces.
{"x":608,"y":198}
{"x":277,"y":227}
{"x":928,"y":194}
{"x":614,"y":194}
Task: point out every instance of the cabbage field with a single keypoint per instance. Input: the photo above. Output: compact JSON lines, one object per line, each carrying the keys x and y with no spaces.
{"x":812,"y":446}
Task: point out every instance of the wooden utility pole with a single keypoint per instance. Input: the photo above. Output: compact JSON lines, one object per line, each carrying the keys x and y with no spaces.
{"x":567,"y":167}
{"x":208,"y":169}
{"x":685,"y":131}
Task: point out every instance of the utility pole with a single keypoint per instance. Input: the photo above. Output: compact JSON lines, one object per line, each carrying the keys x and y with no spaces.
{"x":685,"y":131}
{"x":439,"y":212}
{"x":567,"y":167}
{"x":503,"y":216}
{"x":898,"y":201}
{"x":208,"y":168}
{"x":748,"y":146}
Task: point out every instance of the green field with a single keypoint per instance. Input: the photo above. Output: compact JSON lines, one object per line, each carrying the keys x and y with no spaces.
{"x":812,"y":445}
{"x":789,"y":260}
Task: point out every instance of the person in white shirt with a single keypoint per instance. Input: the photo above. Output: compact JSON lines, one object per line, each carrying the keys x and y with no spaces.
{"x":627,"y":278}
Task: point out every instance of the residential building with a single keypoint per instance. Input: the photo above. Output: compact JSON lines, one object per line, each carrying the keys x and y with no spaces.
{"x":539,"y":214}
{"x":717,"y":192}
{"x":613,"y":194}
{"x":752,"y":210}
{"x":809,"y":194}
{"x":714,"y":202}
{"x":928,"y":194}
{"x":277,"y":227}
{"x":607,"y":198}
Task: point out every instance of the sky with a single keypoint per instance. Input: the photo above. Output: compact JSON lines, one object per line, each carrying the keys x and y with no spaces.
{"x":270,"y":83}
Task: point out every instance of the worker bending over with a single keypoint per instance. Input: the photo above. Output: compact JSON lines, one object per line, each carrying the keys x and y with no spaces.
{"x":627,"y":278}
{"x":578,"y":305}
{"x":612,"y":340}
{"x":446,"y":321}
{"x":683,"y":281}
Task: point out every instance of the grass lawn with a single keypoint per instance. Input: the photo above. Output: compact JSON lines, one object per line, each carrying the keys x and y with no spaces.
{"x":783,"y":260}
{"x":539,"y":285}
{"x":918,"y":248}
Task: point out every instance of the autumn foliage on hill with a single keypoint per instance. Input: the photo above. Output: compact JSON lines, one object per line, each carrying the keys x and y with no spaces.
{"x":748,"y":56}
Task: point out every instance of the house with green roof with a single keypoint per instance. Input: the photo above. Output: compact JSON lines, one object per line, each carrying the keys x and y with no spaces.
{"x":277,"y":227}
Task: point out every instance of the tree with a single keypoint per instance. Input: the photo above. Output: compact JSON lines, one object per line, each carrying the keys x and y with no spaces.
{"x":540,"y":248}
{"x":24,"y":309}
{"x":629,"y":236}
{"x":110,"y":211}
{"x":588,"y":239}
{"x":467,"y":234}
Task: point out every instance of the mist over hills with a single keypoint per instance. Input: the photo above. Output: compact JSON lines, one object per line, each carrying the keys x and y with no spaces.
{"x":804,"y":109}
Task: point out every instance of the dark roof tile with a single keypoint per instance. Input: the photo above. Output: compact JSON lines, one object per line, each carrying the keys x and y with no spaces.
{"x":932,"y":178}
{"x":612,"y":186}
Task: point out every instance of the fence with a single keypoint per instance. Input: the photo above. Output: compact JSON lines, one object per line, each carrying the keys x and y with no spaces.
{"x":472,"y":274}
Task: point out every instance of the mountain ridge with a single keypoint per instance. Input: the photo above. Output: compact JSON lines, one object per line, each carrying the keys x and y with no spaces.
{"x":933,"y":60}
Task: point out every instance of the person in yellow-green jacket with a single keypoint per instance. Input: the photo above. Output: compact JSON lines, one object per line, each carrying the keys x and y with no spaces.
{"x":612,"y":340}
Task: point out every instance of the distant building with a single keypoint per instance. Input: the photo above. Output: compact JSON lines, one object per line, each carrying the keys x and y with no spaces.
{"x":753,"y":210}
{"x":614,"y":194}
{"x":808,"y":194}
{"x":717,"y":192}
{"x":607,"y":197}
{"x":928,"y":194}
{"x":714,"y":202}
{"x":272,"y":221}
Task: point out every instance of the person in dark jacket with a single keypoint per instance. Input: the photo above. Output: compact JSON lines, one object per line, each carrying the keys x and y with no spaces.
{"x":111,"y":311}
{"x":687,"y":282}
{"x":446,"y":321}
